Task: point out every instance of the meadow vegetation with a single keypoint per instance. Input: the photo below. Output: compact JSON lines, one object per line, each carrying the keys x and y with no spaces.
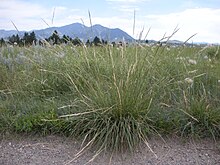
{"x":112,"y":98}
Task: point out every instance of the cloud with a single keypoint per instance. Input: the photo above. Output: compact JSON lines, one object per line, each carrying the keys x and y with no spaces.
{"x":127,"y":8}
{"x":204,"y":21}
{"x":28,"y":16}
{"x":20,"y":9}
{"x":25,"y":15}
{"x":126,"y":5}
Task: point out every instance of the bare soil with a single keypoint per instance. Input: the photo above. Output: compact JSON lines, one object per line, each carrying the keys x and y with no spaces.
{"x":59,"y":150}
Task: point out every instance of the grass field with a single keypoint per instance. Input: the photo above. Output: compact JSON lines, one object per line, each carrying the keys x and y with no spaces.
{"x":112,"y":98}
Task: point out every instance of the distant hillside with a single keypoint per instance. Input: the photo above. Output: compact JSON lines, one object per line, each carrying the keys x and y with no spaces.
{"x":77,"y":30}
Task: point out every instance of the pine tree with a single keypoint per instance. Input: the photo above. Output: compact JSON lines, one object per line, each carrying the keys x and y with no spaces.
{"x":29,"y":39}
{"x":14,"y":39}
{"x":88,"y":43}
{"x":97,"y":41}
{"x":32,"y":38}
{"x":64,"y":39}
{"x":2,"y":42}
{"x":55,"y":38}
{"x":77,"y":41}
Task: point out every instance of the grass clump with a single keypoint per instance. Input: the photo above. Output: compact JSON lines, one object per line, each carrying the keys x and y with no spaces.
{"x":213,"y":52}
{"x":112,"y":98}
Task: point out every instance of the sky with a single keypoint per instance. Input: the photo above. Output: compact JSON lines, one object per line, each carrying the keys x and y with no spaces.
{"x":159,"y":17}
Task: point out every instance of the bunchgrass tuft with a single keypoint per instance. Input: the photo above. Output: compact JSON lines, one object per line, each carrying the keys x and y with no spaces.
{"x":114,"y":91}
{"x":112,"y":98}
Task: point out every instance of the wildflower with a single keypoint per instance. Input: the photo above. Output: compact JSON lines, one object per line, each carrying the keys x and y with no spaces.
{"x":189,"y":80}
{"x":193,"y":62}
{"x":218,"y":81}
{"x":206,"y":57}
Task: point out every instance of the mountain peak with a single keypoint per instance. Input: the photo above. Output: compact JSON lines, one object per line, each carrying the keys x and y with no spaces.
{"x":79,"y":30}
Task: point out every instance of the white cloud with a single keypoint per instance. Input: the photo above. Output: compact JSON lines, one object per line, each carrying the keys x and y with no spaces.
{"x":127,"y":8}
{"x":204,"y":21}
{"x":20,"y":9}
{"x":28,"y":16}
{"x":25,"y":15}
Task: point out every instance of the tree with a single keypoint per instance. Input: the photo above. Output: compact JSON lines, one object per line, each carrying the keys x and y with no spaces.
{"x":55,"y":38}
{"x":2,"y":42}
{"x":65,"y":39}
{"x":25,"y":38}
{"x":14,"y":39}
{"x":88,"y":43}
{"x":104,"y":42}
{"x":97,"y":41}
{"x":113,"y":44}
{"x":29,"y":39}
{"x":33,"y":38}
{"x":77,"y":41}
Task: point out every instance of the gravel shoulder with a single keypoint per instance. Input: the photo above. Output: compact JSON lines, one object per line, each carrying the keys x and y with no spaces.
{"x":58,"y":150}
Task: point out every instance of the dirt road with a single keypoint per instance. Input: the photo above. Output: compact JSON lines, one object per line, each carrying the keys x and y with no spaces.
{"x":57,"y":150}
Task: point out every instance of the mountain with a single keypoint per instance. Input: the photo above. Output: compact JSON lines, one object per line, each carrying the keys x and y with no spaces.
{"x":7,"y":33}
{"x":77,"y":30}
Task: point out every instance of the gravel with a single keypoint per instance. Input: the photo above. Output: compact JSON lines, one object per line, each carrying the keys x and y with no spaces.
{"x":58,"y":150}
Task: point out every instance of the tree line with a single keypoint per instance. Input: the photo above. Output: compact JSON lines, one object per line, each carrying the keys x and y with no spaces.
{"x":27,"y":39}
{"x":30,"y":39}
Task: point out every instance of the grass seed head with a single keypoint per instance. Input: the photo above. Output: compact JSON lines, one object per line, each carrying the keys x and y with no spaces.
{"x":192,"y":62}
{"x":188,"y":80}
